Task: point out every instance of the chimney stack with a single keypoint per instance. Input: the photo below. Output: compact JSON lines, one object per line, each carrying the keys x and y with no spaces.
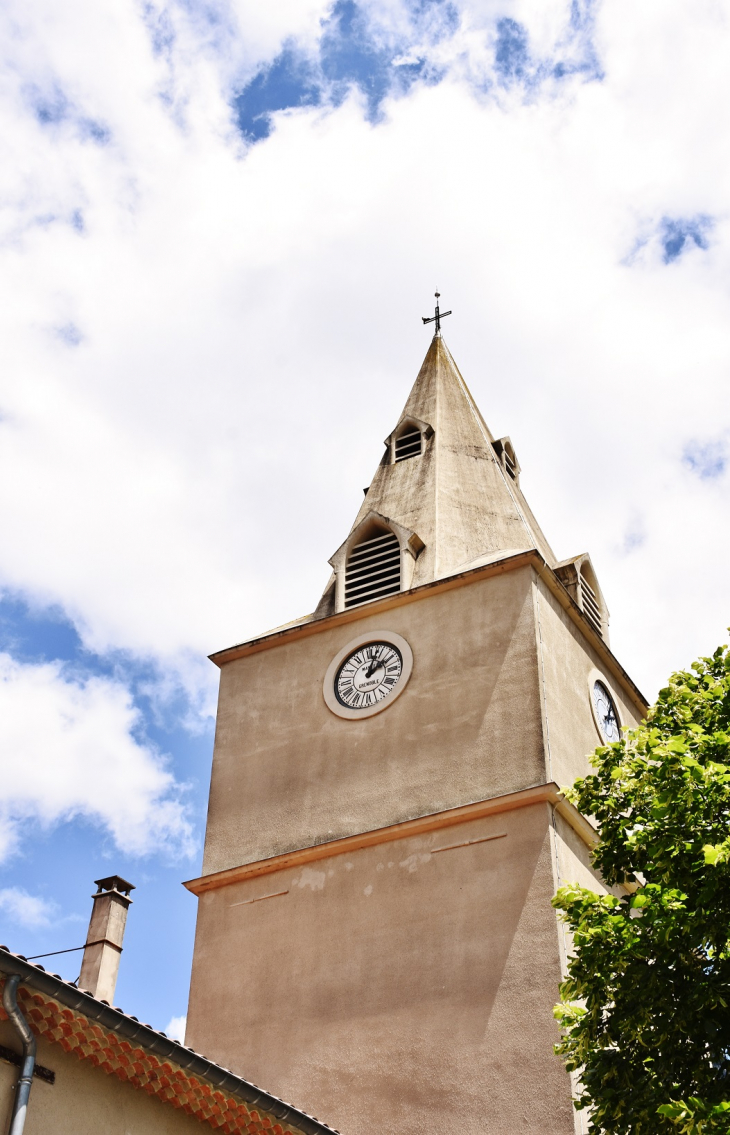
{"x":100,"y":965}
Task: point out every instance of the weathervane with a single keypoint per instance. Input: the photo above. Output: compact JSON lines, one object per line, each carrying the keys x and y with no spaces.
{"x":437,"y":317}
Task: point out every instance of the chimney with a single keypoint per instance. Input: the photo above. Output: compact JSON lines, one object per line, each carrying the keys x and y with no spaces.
{"x":100,"y":966}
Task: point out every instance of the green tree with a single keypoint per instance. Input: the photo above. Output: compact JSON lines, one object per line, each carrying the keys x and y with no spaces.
{"x":645,"y":1008}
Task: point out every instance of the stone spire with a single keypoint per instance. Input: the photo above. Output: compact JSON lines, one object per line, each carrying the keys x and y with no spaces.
{"x":460,"y":498}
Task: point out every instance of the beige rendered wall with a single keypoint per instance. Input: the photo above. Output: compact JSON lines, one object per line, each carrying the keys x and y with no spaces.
{"x":573,"y":860}
{"x":288,"y":773}
{"x":85,"y":1100}
{"x":569,"y":663}
{"x":572,"y":864}
{"x":401,"y":988}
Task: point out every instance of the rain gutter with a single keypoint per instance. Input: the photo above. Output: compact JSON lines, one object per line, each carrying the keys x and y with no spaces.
{"x":25,"y":1080}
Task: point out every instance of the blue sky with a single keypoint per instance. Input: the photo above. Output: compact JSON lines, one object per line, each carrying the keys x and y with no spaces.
{"x":56,"y":862}
{"x":221,"y":223}
{"x":356,"y":51}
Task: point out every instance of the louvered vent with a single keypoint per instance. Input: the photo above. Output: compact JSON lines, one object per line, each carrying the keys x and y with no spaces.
{"x":507,"y":458}
{"x":408,"y":445}
{"x":591,"y":609}
{"x":373,"y":569}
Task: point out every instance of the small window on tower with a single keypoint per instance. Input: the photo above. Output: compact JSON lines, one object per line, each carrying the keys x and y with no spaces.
{"x":408,"y":443}
{"x":589,"y":600}
{"x":509,"y":462}
{"x":507,"y":457}
{"x":373,"y":567}
{"x":579,"y":579}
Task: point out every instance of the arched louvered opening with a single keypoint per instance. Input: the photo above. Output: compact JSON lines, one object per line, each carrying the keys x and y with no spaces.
{"x":506,"y":453}
{"x":589,"y":599}
{"x":510,"y":462}
{"x":408,"y":443}
{"x":373,"y":567}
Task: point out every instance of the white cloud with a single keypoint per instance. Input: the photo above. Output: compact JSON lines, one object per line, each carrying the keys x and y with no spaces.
{"x":175,"y":1028}
{"x":68,"y":750}
{"x":250,"y":321}
{"x":26,"y":910}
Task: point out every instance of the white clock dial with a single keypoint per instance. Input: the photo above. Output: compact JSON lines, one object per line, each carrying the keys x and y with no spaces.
{"x":606,"y":714}
{"x":368,"y":675}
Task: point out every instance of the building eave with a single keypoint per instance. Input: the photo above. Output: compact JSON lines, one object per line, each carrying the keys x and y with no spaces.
{"x":548,"y":792}
{"x":162,"y":1048}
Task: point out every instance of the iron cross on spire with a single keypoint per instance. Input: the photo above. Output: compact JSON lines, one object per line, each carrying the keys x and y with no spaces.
{"x":437,"y":317}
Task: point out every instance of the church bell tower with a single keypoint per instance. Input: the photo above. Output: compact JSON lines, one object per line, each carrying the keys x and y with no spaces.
{"x":375,"y":939}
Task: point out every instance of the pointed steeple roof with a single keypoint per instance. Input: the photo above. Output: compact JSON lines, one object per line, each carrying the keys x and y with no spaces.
{"x":458,"y":497}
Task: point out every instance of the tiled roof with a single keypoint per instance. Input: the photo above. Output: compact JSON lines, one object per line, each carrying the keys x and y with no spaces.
{"x":122,"y":1046}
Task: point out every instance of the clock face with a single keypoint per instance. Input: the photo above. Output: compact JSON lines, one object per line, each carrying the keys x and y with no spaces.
{"x":368,"y":675}
{"x":606,"y":713}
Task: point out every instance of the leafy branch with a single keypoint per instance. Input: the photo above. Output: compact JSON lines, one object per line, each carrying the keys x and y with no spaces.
{"x":644,"y":1008}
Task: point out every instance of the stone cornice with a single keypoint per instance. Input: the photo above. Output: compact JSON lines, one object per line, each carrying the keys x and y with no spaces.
{"x":539,"y":793}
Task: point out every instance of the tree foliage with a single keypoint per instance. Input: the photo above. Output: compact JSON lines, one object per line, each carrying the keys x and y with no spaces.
{"x":645,"y":1008}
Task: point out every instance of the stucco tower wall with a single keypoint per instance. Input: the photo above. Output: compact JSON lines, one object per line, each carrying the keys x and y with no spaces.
{"x":288,"y":773}
{"x":394,"y":983}
{"x":405,"y":987}
{"x":572,"y":864}
{"x":569,"y":664}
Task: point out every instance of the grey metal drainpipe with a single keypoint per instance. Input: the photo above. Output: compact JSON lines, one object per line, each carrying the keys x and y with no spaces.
{"x":25,"y":1080}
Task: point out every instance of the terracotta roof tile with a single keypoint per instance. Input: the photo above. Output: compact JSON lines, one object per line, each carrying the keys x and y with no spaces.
{"x":120,"y":1046}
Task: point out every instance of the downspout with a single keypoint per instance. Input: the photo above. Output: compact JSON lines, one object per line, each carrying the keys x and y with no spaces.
{"x":25,"y":1080}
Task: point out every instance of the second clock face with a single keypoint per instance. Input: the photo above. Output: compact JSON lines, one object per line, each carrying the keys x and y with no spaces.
{"x":606,"y":713}
{"x":368,"y":675}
